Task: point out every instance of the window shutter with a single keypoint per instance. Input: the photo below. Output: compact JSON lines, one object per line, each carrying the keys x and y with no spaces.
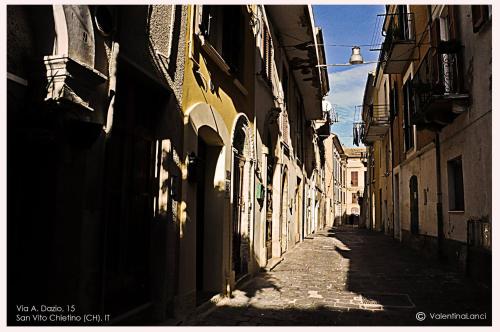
{"x":479,"y":16}
{"x":266,"y":54}
{"x":285,"y":127}
{"x":412,"y":100}
{"x":435,"y":33}
{"x":265,"y":48}
{"x":270,"y":59}
{"x":434,"y":59}
{"x":452,"y":16}
{"x":202,"y":17}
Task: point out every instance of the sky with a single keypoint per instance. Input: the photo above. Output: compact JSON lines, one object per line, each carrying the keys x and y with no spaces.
{"x":348,"y":25}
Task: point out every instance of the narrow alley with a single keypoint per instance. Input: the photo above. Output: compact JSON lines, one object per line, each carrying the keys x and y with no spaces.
{"x":249,"y":164}
{"x":350,"y":276}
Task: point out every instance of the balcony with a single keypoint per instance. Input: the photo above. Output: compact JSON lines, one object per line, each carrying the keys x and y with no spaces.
{"x":437,"y":87}
{"x":376,"y":120}
{"x":399,"y":44}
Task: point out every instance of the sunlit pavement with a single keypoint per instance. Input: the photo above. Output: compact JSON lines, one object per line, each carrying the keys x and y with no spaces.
{"x":346,"y":276}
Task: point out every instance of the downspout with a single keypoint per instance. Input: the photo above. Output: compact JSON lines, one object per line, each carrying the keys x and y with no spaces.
{"x":439,"y":204}
{"x":391,"y":140}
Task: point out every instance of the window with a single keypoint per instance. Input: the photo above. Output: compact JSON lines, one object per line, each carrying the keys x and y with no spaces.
{"x":408,"y":110}
{"x":354,"y":179}
{"x":455,"y":185}
{"x":299,"y":126}
{"x":387,"y":158}
{"x":285,"y":86}
{"x":403,"y":22}
{"x":394,"y":101}
{"x":267,"y":54}
{"x":223,"y":27}
{"x":480,"y":15}
{"x":354,"y":198}
{"x":284,"y":126}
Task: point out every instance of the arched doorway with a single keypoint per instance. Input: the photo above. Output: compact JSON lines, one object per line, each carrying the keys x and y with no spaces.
{"x":298,"y":209}
{"x":242,"y":169}
{"x":284,"y":213}
{"x":206,"y":139}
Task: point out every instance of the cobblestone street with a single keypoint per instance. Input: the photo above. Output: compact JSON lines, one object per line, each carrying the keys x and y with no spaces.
{"x":346,"y":276}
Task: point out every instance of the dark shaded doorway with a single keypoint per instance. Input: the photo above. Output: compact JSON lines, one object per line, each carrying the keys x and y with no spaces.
{"x":414,"y":204}
{"x":130,"y":190}
{"x":209,"y":216}
{"x":269,"y":211}
{"x":239,"y":266}
{"x":200,"y":218}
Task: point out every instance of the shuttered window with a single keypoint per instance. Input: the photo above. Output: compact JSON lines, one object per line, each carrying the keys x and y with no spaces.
{"x":223,"y":27}
{"x":267,"y":54}
{"x":354,"y":179}
{"x":408,"y":111}
{"x":480,"y":15}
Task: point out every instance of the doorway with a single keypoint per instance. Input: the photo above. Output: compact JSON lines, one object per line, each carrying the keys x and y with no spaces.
{"x":209,"y":216}
{"x":298,"y":210}
{"x":284,"y":214}
{"x":131,"y":153}
{"x":397,"y":221}
{"x":414,"y":204}
{"x":200,"y":218}
{"x":240,"y":263}
{"x":241,"y":194}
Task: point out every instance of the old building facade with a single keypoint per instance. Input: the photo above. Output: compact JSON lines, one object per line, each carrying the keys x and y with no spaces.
{"x":436,"y":65}
{"x":335,"y":157}
{"x":179,"y":150}
{"x":355,"y":183}
{"x":96,"y":91}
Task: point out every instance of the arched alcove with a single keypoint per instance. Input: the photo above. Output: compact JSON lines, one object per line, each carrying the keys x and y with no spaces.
{"x":242,"y":193}
{"x":208,"y":136}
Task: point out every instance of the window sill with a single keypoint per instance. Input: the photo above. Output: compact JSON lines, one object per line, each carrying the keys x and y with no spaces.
{"x":456,"y":211}
{"x":219,"y":61}
{"x":214,"y":55}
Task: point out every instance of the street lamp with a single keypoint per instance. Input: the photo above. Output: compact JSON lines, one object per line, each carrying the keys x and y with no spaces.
{"x":355,"y":59}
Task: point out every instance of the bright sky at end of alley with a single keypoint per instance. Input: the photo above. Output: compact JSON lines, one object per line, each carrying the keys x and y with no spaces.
{"x":347,"y":25}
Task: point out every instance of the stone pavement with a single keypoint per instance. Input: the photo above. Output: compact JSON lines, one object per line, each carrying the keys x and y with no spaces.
{"x":350,"y":276}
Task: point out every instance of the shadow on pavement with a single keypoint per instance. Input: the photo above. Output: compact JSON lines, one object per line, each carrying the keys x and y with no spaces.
{"x":390,"y":283}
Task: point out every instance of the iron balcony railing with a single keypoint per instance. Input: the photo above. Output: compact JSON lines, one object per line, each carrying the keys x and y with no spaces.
{"x":479,"y":234}
{"x":376,"y":120}
{"x":438,"y":77}
{"x":377,"y":115}
{"x":401,"y":29}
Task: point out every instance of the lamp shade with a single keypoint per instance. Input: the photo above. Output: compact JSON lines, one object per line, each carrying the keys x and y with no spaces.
{"x":356,"y":58}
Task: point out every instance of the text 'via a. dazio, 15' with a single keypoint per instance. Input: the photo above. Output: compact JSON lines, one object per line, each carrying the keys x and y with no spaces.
{"x":54,"y":314}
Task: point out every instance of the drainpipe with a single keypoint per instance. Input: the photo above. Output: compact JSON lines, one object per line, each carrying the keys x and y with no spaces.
{"x":392,"y":175}
{"x":439,"y":205}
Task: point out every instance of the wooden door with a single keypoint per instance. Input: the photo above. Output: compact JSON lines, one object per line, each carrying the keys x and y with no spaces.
{"x":414,"y":204}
